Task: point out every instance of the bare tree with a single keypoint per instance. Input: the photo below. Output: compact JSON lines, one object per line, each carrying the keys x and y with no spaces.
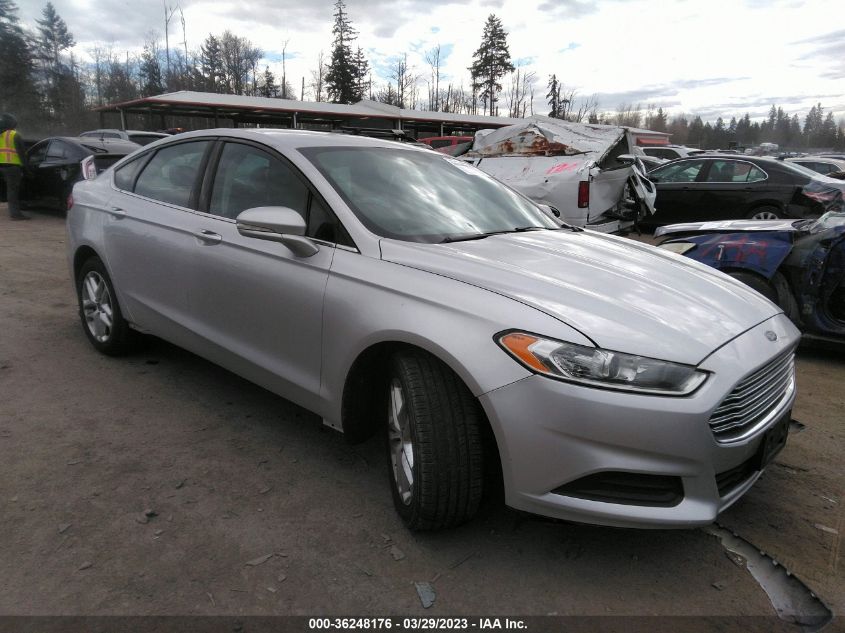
{"x":318,"y":75}
{"x":284,"y":85}
{"x":628,"y":115}
{"x":433,"y":59}
{"x":521,"y":82}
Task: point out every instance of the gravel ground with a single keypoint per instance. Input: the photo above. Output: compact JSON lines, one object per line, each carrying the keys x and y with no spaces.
{"x":162,"y":484}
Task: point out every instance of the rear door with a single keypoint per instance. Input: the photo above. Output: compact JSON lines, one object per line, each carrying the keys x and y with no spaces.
{"x":152,"y":233}
{"x":728,"y":189}
{"x":258,"y":303}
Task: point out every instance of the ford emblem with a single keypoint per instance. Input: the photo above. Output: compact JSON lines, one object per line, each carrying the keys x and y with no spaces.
{"x":771,"y":336}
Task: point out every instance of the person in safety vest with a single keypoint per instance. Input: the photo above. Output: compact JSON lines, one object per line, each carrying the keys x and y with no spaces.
{"x":11,"y":164}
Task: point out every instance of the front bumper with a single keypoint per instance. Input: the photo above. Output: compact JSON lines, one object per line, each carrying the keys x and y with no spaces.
{"x":552,"y":433}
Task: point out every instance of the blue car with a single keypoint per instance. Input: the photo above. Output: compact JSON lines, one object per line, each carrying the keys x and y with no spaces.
{"x":798,"y":264}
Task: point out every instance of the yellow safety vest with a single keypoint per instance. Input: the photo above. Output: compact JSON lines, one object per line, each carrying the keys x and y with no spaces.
{"x":8,"y":153}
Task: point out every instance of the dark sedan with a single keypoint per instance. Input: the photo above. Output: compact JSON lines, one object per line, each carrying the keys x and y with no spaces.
{"x":722,"y":187}
{"x":54,"y":165}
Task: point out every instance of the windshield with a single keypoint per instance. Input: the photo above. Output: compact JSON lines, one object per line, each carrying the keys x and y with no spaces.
{"x":420,"y":196}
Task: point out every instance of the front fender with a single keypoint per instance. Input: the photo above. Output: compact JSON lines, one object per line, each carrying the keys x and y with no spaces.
{"x":760,"y":252}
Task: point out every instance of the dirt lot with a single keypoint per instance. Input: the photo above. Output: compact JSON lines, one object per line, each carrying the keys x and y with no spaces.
{"x":258,"y":509}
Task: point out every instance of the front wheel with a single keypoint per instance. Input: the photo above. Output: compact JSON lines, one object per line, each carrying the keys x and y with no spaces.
{"x":99,"y":311}
{"x":434,"y":443}
{"x":768,"y":212}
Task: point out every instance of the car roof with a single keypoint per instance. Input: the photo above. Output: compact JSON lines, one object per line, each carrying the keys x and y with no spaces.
{"x":286,"y":139}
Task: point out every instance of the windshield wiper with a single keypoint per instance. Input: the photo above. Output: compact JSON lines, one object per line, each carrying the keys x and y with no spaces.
{"x":481,"y":236}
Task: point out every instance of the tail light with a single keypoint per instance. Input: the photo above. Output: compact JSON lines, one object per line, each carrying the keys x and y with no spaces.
{"x":583,"y":194}
{"x":69,"y":203}
{"x":89,"y":169}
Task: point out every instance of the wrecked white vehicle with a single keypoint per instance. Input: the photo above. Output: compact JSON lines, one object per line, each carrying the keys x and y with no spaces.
{"x":590,"y":173}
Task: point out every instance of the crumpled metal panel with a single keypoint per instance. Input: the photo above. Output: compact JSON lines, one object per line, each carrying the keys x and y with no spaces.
{"x":544,"y":136}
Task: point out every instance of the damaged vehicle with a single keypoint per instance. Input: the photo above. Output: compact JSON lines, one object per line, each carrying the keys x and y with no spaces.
{"x":401,"y":293}
{"x":588,"y":173}
{"x":716,"y":187}
{"x":798,"y":264}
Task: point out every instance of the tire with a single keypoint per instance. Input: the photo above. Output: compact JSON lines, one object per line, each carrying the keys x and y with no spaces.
{"x":434,"y":443}
{"x":767,"y":212}
{"x":756,"y":282}
{"x":102,"y":320}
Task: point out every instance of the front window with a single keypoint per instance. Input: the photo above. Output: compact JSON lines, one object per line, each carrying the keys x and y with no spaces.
{"x":419,"y":196}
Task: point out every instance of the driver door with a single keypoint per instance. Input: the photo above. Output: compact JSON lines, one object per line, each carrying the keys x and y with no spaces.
{"x":257,"y":303}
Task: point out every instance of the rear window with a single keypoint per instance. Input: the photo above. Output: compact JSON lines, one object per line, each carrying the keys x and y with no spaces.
{"x":171,"y":173}
{"x":124,"y":176}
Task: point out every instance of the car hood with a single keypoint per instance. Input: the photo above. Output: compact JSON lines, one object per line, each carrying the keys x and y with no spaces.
{"x":728,"y":226}
{"x":623,"y":295}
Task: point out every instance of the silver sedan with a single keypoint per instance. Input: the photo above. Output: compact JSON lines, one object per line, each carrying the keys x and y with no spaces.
{"x":396,"y":291}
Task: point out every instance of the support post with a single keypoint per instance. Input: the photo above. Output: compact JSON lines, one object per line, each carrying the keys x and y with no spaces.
{"x":122,"y":119}
{"x":294,"y":124}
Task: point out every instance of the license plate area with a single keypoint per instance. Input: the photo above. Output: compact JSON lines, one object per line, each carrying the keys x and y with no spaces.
{"x":773,"y":442}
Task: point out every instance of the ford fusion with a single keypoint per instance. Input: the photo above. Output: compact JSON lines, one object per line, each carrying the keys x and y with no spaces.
{"x":398,"y":292}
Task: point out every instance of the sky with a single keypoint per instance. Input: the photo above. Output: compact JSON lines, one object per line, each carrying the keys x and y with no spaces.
{"x":714,"y":58}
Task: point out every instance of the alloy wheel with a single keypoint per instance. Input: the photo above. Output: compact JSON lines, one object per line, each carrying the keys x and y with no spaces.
{"x":401,"y":443}
{"x":97,"y":306}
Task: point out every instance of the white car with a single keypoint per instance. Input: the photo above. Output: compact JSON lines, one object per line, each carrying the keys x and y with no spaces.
{"x":398,"y":292}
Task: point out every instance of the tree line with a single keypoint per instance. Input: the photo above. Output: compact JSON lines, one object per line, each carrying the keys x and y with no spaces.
{"x":53,"y":91}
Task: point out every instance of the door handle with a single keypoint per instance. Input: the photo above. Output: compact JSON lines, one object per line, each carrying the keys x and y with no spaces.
{"x":209,"y":237}
{"x":117,"y":212}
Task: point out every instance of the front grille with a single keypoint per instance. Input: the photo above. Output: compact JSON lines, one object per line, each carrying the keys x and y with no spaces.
{"x":626,"y":488}
{"x":753,"y":399}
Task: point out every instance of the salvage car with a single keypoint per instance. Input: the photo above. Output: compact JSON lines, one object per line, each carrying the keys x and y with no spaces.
{"x":800,"y":264}
{"x":52,"y":167}
{"x":587,"y":173}
{"x":712,"y":187}
{"x":400,"y":292}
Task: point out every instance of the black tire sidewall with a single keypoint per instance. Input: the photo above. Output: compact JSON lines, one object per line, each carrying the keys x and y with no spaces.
{"x":756,"y":282}
{"x":408,"y":512}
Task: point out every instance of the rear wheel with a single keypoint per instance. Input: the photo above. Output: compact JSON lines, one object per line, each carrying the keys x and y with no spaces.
{"x":768,"y":212}
{"x":756,"y":282}
{"x":434,"y":443}
{"x":99,"y":311}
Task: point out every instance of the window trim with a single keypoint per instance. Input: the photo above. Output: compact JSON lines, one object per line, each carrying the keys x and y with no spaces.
{"x":204,"y":200}
{"x":148,"y":155}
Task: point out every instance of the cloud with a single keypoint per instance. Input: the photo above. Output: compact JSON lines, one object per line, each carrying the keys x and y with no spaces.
{"x":569,"y":9}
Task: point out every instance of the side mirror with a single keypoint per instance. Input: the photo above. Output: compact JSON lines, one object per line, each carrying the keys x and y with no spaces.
{"x":653,"y":178}
{"x":277,"y":224}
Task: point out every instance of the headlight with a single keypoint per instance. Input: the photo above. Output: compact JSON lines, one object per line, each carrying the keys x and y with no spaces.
{"x":601,"y":368}
{"x":678,"y":247}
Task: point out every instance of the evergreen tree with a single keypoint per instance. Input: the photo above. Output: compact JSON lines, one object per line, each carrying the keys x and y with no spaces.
{"x":658,"y":123}
{"x":553,"y":97}
{"x":211,"y":64}
{"x":150,"y":72}
{"x":18,"y":94}
{"x":60,"y":86}
{"x":362,"y":74}
{"x":342,"y":79}
{"x":492,"y":61}
{"x":268,"y":87}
